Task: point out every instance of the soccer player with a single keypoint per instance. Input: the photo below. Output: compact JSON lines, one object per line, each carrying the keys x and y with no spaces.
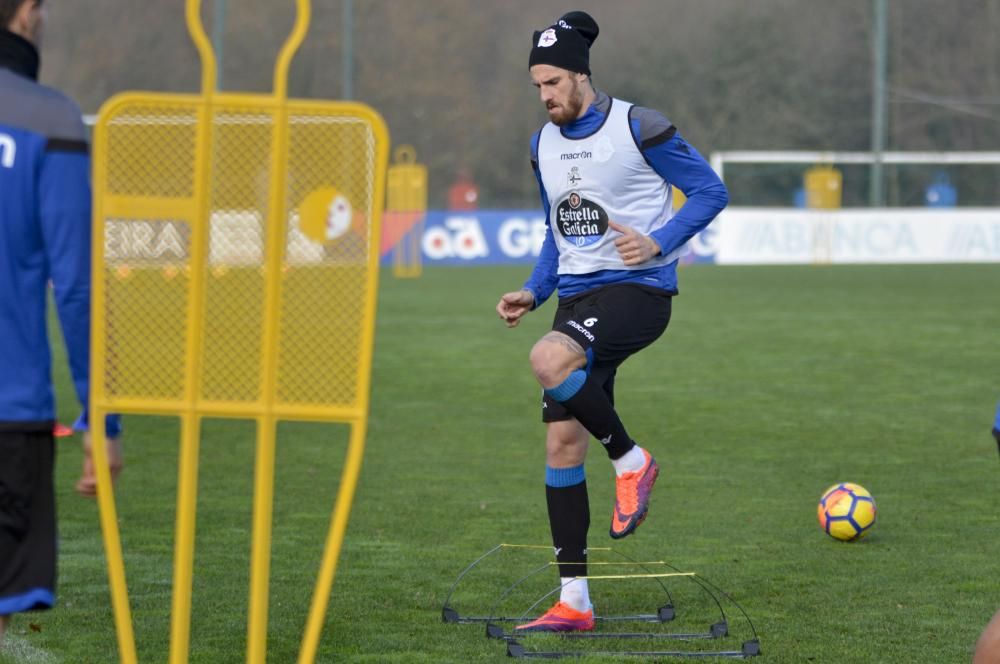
{"x":606,"y":170}
{"x":44,"y":235}
{"x":988,"y":646}
{"x":996,"y":427}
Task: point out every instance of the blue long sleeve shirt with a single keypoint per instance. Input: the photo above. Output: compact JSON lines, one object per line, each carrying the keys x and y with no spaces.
{"x":673,"y":159}
{"x":45,"y":230}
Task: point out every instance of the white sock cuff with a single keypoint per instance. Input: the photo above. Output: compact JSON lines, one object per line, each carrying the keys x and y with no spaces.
{"x":629,"y":462}
{"x":575,"y":592}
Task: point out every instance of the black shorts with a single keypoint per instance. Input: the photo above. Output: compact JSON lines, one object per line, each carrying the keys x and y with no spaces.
{"x":611,"y":323}
{"x":27,"y":521}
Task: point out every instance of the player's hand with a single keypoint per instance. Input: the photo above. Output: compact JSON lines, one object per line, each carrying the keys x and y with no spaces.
{"x":514,"y":305}
{"x":634,"y":247}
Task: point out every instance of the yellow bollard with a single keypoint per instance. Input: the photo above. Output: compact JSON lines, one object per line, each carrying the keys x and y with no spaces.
{"x":406,"y":206}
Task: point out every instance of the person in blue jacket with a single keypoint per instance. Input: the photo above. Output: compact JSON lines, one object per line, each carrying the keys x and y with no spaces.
{"x":44,"y":238}
{"x":988,"y":646}
{"x":996,"y":427}
{"x":606,"y":171}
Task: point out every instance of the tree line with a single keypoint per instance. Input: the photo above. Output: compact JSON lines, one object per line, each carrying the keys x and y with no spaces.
{"x":450,"y":76}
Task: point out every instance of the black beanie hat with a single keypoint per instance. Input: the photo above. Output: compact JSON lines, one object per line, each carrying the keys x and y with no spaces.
{"x":566,"y":43}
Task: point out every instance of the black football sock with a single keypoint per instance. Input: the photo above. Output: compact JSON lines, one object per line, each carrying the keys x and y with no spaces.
{"x":569,"y":517}
{"x":589,"y":404}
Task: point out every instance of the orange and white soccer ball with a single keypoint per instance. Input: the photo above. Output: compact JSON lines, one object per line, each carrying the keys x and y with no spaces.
{"x":846,"y":511}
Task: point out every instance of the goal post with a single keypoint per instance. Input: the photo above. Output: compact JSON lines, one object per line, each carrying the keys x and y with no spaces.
{"x":722,"y":160}
{"x":235,"y":273}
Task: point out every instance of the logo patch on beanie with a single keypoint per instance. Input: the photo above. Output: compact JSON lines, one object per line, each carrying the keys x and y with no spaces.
{"x":547,"y":38}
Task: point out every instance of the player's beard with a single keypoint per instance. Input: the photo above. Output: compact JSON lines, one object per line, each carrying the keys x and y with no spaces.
{"x":564,"y":114}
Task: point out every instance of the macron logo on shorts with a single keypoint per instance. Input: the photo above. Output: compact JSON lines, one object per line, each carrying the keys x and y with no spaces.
{"x":581,"y":329}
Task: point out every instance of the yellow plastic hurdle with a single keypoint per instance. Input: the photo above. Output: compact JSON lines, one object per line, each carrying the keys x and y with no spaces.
{"x":236,"y":247}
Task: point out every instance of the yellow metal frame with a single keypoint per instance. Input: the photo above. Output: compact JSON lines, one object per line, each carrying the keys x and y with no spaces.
{"x":191,"y":408}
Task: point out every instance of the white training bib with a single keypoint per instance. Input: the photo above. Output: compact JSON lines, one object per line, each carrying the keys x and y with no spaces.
{"x":595,"y":179}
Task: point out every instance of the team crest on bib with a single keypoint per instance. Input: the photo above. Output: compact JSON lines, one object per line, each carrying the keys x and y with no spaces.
{"x":573,"y":176}
{"x":581,"y":221}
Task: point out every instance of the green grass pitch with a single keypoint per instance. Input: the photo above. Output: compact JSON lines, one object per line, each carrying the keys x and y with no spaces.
{"x":771,"y":384}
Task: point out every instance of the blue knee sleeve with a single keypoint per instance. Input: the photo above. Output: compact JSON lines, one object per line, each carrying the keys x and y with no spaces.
{"x":565,"y":390}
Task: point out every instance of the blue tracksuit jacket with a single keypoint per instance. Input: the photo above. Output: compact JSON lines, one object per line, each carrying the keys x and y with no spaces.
{"x":44,"y":237}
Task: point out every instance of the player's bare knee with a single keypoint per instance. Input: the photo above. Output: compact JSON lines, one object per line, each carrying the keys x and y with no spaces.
{"x":552,"y":359}
{"x":545,"y":364}
{"x":565,"y":444}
